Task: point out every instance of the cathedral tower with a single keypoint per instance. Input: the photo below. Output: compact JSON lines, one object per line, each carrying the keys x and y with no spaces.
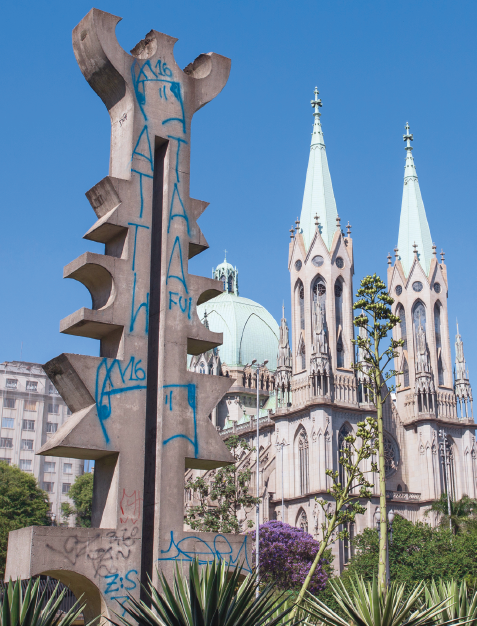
{"x":418,"y":284}
{"x":321,"y":270}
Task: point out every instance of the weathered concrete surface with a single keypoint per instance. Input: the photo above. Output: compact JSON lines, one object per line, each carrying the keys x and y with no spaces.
{"x":136,"y":409}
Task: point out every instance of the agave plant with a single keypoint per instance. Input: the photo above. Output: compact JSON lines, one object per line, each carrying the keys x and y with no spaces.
{"x":365,"y":605}
{"x":213,"y":595}
{"x":18,"y":609}
{"x":457,"y":605}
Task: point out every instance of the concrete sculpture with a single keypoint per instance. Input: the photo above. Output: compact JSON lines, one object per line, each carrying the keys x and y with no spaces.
{"x":137,"y":410}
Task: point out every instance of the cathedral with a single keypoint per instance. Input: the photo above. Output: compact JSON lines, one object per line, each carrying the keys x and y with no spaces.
{"x":310,"y":397}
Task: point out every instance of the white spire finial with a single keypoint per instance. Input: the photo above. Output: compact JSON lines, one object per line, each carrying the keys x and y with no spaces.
{"x":316,"y":103}
{"x":225,"y":256}
{"x":283,"y":309}
{"x":408,"y":137}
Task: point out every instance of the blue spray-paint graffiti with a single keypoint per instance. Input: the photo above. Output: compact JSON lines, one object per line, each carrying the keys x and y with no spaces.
{"x":112,"y":379}
{"x":141,"y":189}
{"x":177,"y":208}
{"x":177,"y":251}
{"x":142,"y":74}
{"x":143,"y":149}
{"x":187,"y":549}
{"x":187,"y":302}
{"x":179,"y":141}
{"x":135,"y":313}
{"x":135,"y":240}
{"x":115,"y":583}
{"x":191,"y":400}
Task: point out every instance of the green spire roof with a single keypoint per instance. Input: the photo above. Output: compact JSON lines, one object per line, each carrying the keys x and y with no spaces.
{"x":413,"y":227}
{"x":318,"y":197}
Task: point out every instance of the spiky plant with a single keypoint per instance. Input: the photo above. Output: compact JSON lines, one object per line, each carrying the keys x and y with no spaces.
{"x":457,"y":605}
{"x":367,"y":605}
{"x":212,"y":595}
{"x":26,"y":609}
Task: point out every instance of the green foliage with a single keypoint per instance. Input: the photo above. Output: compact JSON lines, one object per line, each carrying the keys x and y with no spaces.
{"x":377,"y":319}
{"x":22,"y":503}
{"x":222,"y":497}
{"x":209,"y":596}
{"x":18,"y":609}
{"x":418,"y":552}
{"x":463,"y":513}
{"x":366,"y":604}
{"x":458,"y":605}
{"x":81,"y":492}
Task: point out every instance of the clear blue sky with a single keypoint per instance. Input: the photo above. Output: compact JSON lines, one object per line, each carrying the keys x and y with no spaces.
{"x":377,"y":64}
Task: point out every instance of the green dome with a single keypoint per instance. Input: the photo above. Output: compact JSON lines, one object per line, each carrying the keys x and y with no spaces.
{"x":250,"y":332}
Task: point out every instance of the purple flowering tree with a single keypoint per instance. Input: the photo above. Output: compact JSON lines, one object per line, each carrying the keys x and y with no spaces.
{"x":286,"y":555}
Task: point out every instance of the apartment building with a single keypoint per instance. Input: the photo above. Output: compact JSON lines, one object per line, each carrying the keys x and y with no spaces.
{"x":32,"y":411}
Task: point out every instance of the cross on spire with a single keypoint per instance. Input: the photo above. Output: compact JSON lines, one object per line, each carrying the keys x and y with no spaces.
{"x":316,"y":103}
{"x":408,"y":137}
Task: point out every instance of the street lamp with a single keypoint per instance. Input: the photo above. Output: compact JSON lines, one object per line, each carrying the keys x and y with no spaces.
{"x":257,"y":508}
{"x":281,"y":446}
{"x":391,"y":516}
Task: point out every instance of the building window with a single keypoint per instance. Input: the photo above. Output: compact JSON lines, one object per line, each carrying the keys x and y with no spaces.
{"x":437,"y":328}
{"x":53,"y":408}
{"x":405,"y":371}
{"x":340,"y":354}
{"x":30,"y":405}
{"x":53,"y":391}
{"x":224,"y":282}
{"x":6,"y":442}
{"x":8,"y":403}
{"x":348,"y":548}
{"x":25,"y":465}
{"x":391,"y":456}
{"x":11,"y":383}
{"x":417,"y":286}
{"x":28,"y":425}
{"x":339,"y":263}
{"x":399,"y":488}
{"x":8,"y":422}
{"x":65,"y":487}
{"x":298,"y":265}
{"x":48,"y":487}
{"x":303,"y":461}
{"x":68,"y":412}
{"x":345,"y":430}
{"x":68,"y":468}
{"x":27,"y":444}
{"x":31,"y":385}
{"x":51,"y":427}
{"x":50,"y":467}
{"x":302,"y":521}
{"x":230,"y":284}
{"x":301,"y":303}
{"x":399,"y":290}
{"x":318,"y":260}
{"x":403,"y":335}
{"x":5,"y":460}
{"x":202,"y":367}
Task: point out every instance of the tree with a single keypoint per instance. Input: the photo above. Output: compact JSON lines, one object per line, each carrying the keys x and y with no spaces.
{"x":377,"y":320}
{"x":286,"y":555}
{"x":81,"y":492}
{"x":223,"y":495}
{"x":463,"y":513}
{"x":347,"y":497}
{"x":22,"y":503}
{"x":418,"y":552}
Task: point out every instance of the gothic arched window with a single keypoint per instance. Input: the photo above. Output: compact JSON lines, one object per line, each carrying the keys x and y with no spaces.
{"x":303,"y":461}
{"x":302,"y":521}
{"x":202,"y":367}
{"x":319,"y":290}
{"x":345,"y":430}
{"x":230,"y":283}
{"x":403,"y":335}
{"x":437,"y":329}
{"x":340,"y":353}
{"x":419,"y":315}
{"x":302,"y":352}
{"x":300,"y":296}
{"x":391,"y":456}
{"x":224,"y":281}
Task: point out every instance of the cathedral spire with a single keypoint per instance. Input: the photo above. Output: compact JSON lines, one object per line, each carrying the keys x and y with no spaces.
{"x":413,"y":226}
{"x":463,"y":390}
{"x":318,"y":197}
